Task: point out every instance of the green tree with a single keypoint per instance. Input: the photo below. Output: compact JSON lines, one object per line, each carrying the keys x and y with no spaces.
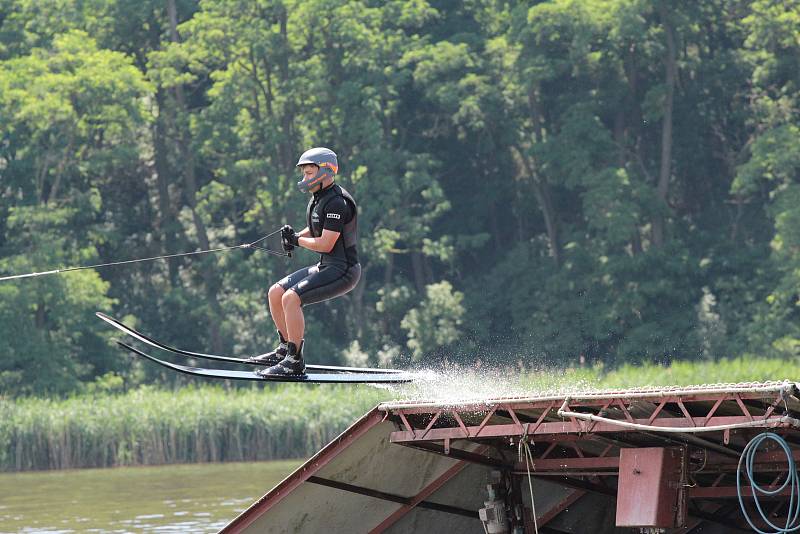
{"x":436,"y":323}
{"x":772,"y":168}
{"x":71,"y":115}
{"x":609,"y":180}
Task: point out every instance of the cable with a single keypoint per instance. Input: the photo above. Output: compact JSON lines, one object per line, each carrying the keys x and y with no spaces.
{"x":523,"y":443}
{"x":748,"y":458}
{"x":166,"y":256}
{"x":562,"y":412}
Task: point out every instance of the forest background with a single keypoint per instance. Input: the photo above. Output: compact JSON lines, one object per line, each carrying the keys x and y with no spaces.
{"x":560,"y":182}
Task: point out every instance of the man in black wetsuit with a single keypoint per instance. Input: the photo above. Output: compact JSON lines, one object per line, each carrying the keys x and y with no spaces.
{"x":331,"y":229}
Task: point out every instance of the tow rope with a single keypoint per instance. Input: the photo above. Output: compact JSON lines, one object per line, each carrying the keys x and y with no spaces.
{"x":254,"y":244}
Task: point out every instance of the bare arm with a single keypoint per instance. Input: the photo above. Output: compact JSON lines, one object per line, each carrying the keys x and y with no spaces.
{"x":322,"y":244}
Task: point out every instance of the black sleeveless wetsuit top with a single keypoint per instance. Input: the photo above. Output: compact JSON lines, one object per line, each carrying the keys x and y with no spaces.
{"x":334,"y":209}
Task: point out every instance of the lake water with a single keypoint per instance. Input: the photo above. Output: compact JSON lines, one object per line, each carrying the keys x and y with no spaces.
{"x":169,"y":498}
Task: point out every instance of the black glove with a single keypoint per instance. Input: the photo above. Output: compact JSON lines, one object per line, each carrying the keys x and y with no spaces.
{"x":289,"y":238}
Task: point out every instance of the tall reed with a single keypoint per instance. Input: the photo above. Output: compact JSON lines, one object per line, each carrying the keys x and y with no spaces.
{"x":194,"y":424}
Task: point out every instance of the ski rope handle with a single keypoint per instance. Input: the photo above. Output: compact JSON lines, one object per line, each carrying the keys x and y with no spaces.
{"x":254,"y":244}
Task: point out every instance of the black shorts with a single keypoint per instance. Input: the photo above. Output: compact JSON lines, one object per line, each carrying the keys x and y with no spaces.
{"x":317,"y":283}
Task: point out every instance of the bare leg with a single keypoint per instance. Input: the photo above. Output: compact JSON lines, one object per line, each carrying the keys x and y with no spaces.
{"x":293,"y":315}
{"x":275,"y":295}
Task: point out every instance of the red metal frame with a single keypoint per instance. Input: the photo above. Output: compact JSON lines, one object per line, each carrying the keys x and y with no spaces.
{"x":426,"y":426}
{"x":541,"y":428}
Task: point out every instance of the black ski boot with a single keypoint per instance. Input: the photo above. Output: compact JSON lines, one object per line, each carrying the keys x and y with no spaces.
{"x":273,"y":357}
{"x":291,"y":366}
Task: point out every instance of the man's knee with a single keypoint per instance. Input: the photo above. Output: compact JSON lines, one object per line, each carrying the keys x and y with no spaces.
{"x":290,"y":299}
{"x":275,"y":292}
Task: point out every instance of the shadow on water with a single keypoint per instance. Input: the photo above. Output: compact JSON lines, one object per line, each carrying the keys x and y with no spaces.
{"x":168,"y":498}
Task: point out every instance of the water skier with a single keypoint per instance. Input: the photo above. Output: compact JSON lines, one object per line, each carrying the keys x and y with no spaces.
{"x":331,"y":229}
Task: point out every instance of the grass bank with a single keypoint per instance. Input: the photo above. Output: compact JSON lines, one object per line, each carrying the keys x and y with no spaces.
{"x":208,"y":423}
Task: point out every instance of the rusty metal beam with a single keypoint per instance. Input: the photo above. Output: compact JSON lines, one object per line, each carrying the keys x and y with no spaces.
{"x":576,"y":483}
{"x":460,"y":454}
{"x":561,"y":464}
{"x":769,"y":457}
{"x":728,"y":492}
{"x":698,"y":441}
{"x":562,"y":427}
{"x":391,"y":497}
{"x":577,"y":473}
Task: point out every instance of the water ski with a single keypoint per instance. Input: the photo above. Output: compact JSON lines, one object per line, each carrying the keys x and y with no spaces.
{"x":119,"y":325}
{"x":311,"y":378}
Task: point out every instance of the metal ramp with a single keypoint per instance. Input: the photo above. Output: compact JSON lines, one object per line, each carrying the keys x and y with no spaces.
{"x":637,"y":460}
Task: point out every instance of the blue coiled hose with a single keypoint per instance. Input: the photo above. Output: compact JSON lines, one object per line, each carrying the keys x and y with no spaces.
{"x":748,"y":459}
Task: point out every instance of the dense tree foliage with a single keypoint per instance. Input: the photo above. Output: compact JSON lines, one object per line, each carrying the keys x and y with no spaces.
{"x":607,"y":181}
